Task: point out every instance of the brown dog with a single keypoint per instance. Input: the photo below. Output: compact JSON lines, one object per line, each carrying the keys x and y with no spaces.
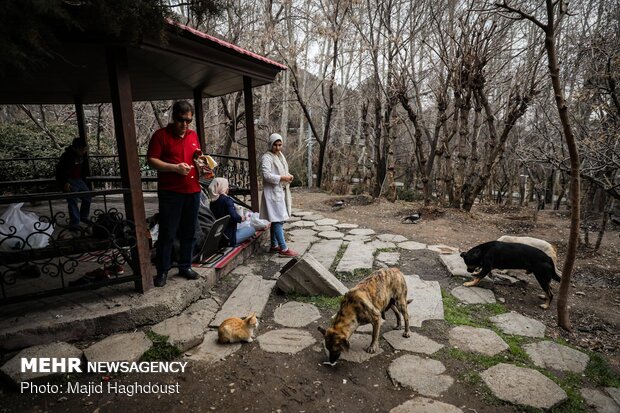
{"x":367,"y":303}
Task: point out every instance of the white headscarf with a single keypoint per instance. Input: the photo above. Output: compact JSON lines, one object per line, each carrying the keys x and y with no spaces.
{"x":217,"y":187}
{"x":273,"y":138}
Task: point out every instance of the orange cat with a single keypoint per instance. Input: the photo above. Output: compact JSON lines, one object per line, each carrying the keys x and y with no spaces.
{"x":233,"y":330}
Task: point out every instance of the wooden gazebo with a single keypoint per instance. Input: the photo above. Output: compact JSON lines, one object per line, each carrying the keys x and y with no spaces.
{"x":188,"y":64}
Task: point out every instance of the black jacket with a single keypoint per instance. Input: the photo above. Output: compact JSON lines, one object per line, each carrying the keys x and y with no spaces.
{"x":67,"y":160}
{"x":223,"y":206}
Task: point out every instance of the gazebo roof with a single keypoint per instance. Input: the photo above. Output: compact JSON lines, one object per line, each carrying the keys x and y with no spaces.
{"x":172,"y":69}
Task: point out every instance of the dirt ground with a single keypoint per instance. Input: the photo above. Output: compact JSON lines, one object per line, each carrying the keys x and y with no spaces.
{"x":256,"y":381}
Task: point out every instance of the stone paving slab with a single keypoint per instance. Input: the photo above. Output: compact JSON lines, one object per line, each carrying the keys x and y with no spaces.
{"x":356,"y":238}
{"x":599,"y":401}
{"x":299,"y":245}
{"x":331,"y":235}
{"x":250,"y":296}
{"x":210,"y":350}
{"x":183,"y":331}
{"x":382,"y":245}
{"x":325,"y":251}
{"x":327,"y":221}
{"x":455,"y":265}
{"x":391,"y":238}
{"x":477,"y":340}
{"x":301,"y":213}
{"x":523,"y":386}
{"x":323,"y":228}
{"x":119,"y":347}
{"x":285,"y":340}
{"x":515,"y":323}
{"x":302,"y":232}
{"x":417,"y":343}
{"x":362,"y":231}
{"x":614,"y":392}
{"x":443,"y":249}
{"x":427,"y":303}
{"x":12,"y":368}
{"x":203,"y":311}
{"x":473,"y":295}
{"x":357,"y":351}
{"x":296,"y":314}
{"x":301,"y":224}
{"x":357,"y":256}
{"x":411,"y":245}
{"x":346,"y":226}
{"x":505,"y":279}
{"x":422,"y":375}
{"x":553,"y":356}
{"x":388,"y":258}
{"x":313,"y":217}
{"x":424,"y":405}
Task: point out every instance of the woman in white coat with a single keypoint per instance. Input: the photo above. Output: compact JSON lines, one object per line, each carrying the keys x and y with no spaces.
{"x":276,"y":200}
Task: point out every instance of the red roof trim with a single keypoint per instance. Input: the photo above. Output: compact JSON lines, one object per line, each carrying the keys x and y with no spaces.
{"x":227,"y":45}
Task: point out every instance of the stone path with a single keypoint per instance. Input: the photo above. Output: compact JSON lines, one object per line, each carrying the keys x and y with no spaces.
{"x":250,"y":296}
{"x":194,"y":329}
{"x":523,"y":386}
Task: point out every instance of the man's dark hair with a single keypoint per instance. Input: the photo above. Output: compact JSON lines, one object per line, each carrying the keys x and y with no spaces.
{"x":180,"y":107}
{"x":79,"y":143}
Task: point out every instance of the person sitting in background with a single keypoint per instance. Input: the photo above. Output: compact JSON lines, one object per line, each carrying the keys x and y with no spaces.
{"x":222,"y":205}
{"x":71,"y":172}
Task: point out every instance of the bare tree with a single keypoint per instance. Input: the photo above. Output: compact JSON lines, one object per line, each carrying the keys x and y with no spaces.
{"x":555,"y":11}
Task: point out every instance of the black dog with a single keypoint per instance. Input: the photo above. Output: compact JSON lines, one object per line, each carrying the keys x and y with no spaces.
{"x":511,"y":256}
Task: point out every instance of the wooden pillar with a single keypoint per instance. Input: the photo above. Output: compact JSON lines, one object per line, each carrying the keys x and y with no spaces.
{"x":79,"y":113}
{"x":125,"y":130}
{"x":249,"y":122}
{"x":199,"y":118}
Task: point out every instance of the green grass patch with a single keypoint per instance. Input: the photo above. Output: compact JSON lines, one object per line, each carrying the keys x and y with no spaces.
{"x":360,"y":273}
{"x":471,"y":378}
{"x":378,"y":250}
{"x":475,"y":315}
{"x":600,"y":373}
{"x":161,"y":350}
{"x":571,"y":383}
{"x":321,"y":301}
{"x":339,"y":255}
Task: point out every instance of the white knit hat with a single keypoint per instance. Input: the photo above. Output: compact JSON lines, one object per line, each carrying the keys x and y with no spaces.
{"x":273,"y":138}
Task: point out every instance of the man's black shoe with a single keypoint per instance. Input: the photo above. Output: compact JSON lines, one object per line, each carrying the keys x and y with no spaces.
{"x":189,"y":274}
{"x":160,"y":280}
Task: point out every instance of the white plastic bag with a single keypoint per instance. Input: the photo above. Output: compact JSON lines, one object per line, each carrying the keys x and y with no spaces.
{"x":258,"y":223}
{"x":246,"y":223}
{"x":30,"y":233}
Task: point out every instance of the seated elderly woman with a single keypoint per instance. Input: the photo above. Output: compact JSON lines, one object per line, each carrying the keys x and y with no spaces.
{"x":223,"y":205}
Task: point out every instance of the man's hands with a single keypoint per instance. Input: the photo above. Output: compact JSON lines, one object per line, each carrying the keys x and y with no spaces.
{"x":183,"y":168}
{"x":66,"y":187}
{"x":180,"y":168}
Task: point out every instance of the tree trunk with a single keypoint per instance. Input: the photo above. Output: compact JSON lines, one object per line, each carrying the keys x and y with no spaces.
{"x":575,"y":191}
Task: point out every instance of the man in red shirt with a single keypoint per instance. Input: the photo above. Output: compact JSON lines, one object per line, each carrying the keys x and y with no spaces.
{"x":171,"y":152}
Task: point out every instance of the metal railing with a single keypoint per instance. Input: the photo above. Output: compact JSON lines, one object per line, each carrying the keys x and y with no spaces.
{"x":44,"y":256}
{"x":36,"y":175}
